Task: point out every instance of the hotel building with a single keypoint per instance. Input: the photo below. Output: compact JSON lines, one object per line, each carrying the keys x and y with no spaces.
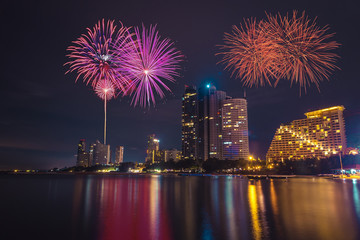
{"x":320,"y":135}
{"x":235,"y":136}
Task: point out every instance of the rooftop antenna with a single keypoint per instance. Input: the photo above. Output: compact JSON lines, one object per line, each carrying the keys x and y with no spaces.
{"x":244,"y":93}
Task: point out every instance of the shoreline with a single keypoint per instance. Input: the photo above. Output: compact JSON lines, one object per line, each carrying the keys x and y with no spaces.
{"x":184,"y":174}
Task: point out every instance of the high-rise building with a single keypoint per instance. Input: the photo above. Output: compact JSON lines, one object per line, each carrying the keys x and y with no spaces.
{"x":189,"y":123}
{"x":152,"y":148}
{"x":172,"y":154}
{"x":320,"y":135}
{"x":101,"y":154}
{"x":82,"y":156}
{"x":119,"y":154}
{"x":209,"y":128}
{"x":235,"y":136}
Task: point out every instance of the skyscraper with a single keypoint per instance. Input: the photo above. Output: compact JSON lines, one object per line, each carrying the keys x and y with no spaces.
{"x":82,"y":156}
{"x":209,"y":128}
{"x":189,"y":123}
{"x":320,"y":135}
{"x":235,"y":136}
{"x":101,"y":153}
{"x":152,"y":148}
{"x":119,"y":154}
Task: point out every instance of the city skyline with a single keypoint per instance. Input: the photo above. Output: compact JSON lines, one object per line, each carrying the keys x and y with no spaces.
{"x":231,"y":131}
{"x":46,"y":113}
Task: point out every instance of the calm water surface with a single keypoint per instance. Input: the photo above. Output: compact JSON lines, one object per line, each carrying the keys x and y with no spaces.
{"x":174,"y":207}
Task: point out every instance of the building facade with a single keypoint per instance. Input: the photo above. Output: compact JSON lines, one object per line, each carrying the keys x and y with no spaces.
{"x":91,"y":154}
{"x":209,"y":128}
{"x":189,"y":123}
{"x":235,"y":134}
{"x":101,"y":154}
{"x":320,"y":135}
{"x":82,"y":159}
{"x":172,"y":155}
{"x":119,"y":154}
{"x":152,"y":149}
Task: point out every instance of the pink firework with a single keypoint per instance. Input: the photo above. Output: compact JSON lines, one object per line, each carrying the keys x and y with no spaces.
{"x":97,"y":55}
{"x":105,"y":90}
{"x":154,"y":61}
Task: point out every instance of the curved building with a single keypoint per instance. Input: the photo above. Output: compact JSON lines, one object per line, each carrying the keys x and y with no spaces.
{"x":320,"y":135}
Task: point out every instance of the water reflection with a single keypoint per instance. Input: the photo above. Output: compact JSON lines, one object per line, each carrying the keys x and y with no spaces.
{"x":356,"y":198}
{"x":173,"y":207}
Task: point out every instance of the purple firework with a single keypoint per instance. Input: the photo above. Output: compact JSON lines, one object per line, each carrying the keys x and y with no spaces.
{"x":153,"y":61}
{"x":97,"y":55}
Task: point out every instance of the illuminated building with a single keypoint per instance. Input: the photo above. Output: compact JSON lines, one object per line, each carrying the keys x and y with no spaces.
{"x":152,"y":149}
{"x":209,"y":128}
{"x":82,"y":156}
{"x":101,"y":153}
{"x":119,"y":154}
{"x":172,"y":154}
{"x":189,"y":123}
{"x":320,"y":135}
{"x":235,"y":137}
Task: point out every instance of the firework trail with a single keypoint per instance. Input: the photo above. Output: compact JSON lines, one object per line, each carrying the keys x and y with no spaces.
{"x":154,"y":61}
{"x":249,"y":55}
{"x":97,"y":55}
{"x":282,"y":47}
{"x":105,"y":90}
{"x":303,"y":47}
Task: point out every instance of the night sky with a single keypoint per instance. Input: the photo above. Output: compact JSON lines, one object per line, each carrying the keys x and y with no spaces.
{"x":44,"y":112}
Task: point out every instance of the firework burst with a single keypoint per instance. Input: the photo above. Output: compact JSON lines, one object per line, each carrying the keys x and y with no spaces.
{"x":282,"y":47}
{"x":154,"y":61}
{"x":249,"y":55}
{"x":97,"y":55}
{"x":304,"y":48}
{"x":105,"y":90}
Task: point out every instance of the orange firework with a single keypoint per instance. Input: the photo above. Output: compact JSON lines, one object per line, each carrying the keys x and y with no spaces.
{"x":303,"y":47}
{"x":249,"y":55}
{"x":283,"y":47}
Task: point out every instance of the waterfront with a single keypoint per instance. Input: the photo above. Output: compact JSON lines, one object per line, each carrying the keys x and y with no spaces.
{"x":175,"y":207}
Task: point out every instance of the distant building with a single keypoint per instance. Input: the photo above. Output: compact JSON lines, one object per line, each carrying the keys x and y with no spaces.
{"x":172,"y":154}
{"x":119,"y":154}
{"x":189,"y":123}
{"x":159,"y":156}
{"x":209,"y":128}
{"x":91,"y":154}
{"x":82,"y":156}
{"x":152,"y":148}
{"x":235,"y":136}
{"x":101,"y":154}
{"x":320,"y":135}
